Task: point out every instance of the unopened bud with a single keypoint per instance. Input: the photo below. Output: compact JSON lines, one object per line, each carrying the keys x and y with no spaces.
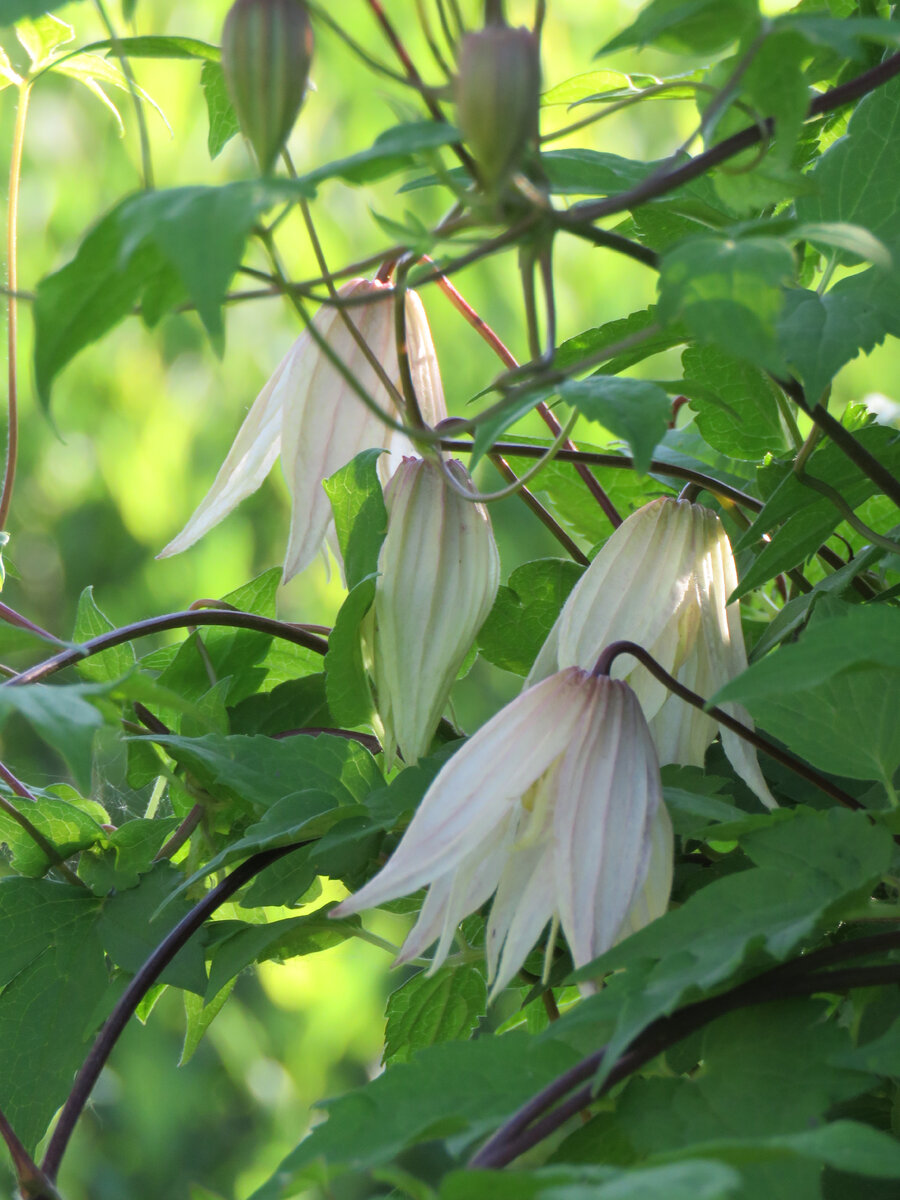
{"x":267,"y":49}
{"x":439,"y":574}
{"x":498,"y":90}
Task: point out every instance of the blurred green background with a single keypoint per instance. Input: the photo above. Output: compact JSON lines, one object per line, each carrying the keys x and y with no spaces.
{"x":140,"y":423}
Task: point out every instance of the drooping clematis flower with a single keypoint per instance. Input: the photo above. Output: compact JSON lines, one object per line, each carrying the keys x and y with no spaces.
{"x":310,"y":414}
{"x":553,"y":807}
{"x":439,"y":571}
{"x":663,"y":580}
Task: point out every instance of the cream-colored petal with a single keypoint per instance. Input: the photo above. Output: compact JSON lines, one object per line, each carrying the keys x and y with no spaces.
{"x":248,"y":461}
{"x":633,"y":590}
{"x":524,"y":905}
{"x":456,"y":895}
{"x":439,"y":572}
{"x":652,"y":900}
{"x":479,"y":786}
{"x":423,"y":363}
{"x":325,"y":422}
{"x":608,"y":791}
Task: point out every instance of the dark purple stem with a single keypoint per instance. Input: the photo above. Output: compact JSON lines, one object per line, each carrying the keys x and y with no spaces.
{"x":603,"y":666}
{"x":622,"y":461}
{"x":659,"y":185}
{"x":845,"y":441}
{"x":533,"y":1122}
{"x":177,"y":620}
{"x":135,"y":992}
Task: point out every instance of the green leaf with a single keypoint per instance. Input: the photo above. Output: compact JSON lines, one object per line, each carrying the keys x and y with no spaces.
{"x":393,"y":150}
{"x":346,"y":682}
{"x":159,"y":46}
{"x":881,"y":1056}
{"x":832,"y":697}
{"x":127,"y":854}
{"x":847,"y":1146}
{"x":63,"y":717}
{"x":747,"y":425}
{"x":12,"y":11}
{"x":636,"y":410}
{"x":583,"y":172}
{"x":91,"y":622}
{"x":223,"y":124}
{"x":677,"y":1181}
{"x":524,"y":612}
{"x":591,"y":85}
{"x":478,"y":1085}
{"x":729,"y":293}
{"x":756,"y":1113}
{"x":360,"y":516}
{"x":301,"y":816}
{"x":155,"y":248}
{"x":260,"y":771}
{"x":35,"y":914}
{"x":50,"y":1010}
{"x":593,"y":341}
{"x":238,"y":945}
{"x":297,"y":704}
{"x":134,"y":922}
{"x":856,"y":179}
{"x":41,"y":36}
{"x":444,"y":1007}
{"x":812,"y":868}
{"x":66,"y":826}
{"x":198,"y":1018}
{"x":808,"y":518}
{"x":820,"y":334}
{"x":240,"y":655}
{"x":845,"y":36}
{"x":688,"y":26}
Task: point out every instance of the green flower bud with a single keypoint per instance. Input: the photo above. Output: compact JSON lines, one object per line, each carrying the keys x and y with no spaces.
{"x":267,"y":49}
{"x":498,"y":89}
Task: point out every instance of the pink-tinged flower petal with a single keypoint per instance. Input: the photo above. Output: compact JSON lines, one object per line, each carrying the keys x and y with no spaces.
{"x":652,"y":899}
{"x":325,"y":423}
{"x":525,"y":903}
{"x":636,"y":589}
{"x":439,"y":572}
{"x":249,"y":460}
{"x":479,"y":786}
{"x":423,"y":363}
{"x":608,"y":791}
{"x":457,"y":894}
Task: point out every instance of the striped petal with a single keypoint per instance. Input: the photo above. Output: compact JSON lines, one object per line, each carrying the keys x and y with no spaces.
{"x":249,"y":460}
{"x":479,"y":787}
{"x":325,"y":423}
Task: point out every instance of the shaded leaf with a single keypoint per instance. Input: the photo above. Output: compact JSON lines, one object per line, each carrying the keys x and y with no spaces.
{"x":443,"y":1007}
{"x":91,"y":622}
{"x":636,"y":410}
{"x":728,"y":292}
{"x":833,"y":696}
{"x":223,"y":123}
{"x":811,"y":869}
{"x":346,"y":681}
{"x":685,"y":26}
{"x":524,"y":612}
{"x":480,"y":1083}
{"x":360,"y":516}
{"x":131,"y":929}
{"x":748,"y":424}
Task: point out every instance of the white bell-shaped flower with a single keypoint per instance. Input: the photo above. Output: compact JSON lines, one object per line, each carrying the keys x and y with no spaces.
{"x":663,"y":580}
{"x":439,"y":571}
{"x":310,"y":414}
{"x":553,"y":807}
